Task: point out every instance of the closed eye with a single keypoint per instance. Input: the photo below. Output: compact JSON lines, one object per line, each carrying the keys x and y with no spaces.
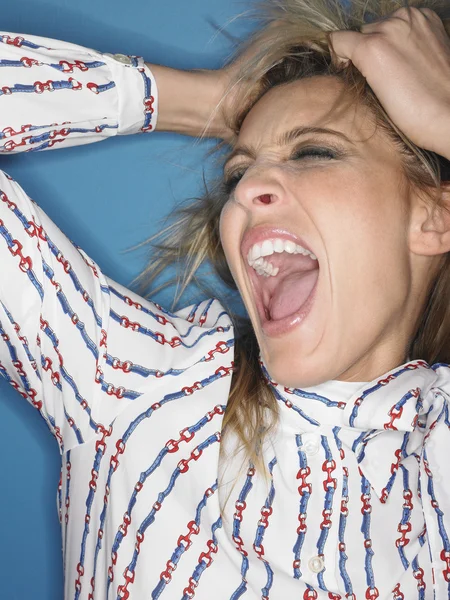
{"x":315,"y":152}
{"x":320,"y":152}
{"x":231,"y":181}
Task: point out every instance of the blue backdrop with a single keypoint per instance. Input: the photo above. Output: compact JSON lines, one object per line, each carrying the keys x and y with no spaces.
{"x":106,"y":198}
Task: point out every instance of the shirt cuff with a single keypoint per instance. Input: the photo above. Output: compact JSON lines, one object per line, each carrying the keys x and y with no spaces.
{"x":137,"y":93}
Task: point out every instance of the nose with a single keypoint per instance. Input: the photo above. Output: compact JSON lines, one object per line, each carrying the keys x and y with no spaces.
{"x":259,"y":189}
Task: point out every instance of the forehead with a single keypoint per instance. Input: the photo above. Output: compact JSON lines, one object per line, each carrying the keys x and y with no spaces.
{"x":318,"y":101}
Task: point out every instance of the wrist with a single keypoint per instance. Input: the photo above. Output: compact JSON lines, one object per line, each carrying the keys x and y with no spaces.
{"x":189,"y":102}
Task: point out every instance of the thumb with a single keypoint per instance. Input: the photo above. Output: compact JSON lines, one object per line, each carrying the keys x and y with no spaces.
{"x":343,"y":44}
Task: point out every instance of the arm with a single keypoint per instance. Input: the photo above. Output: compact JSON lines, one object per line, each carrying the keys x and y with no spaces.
{"x":62,"y":321}
{"x":435,"y":492}
{"x":79,"y":347}
{"x":55,"y":94}
{"x":54,"y":304}
{"x":190,"y":102}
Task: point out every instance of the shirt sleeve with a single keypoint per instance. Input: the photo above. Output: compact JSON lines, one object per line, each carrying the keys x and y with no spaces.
{"x":55,"y":94}
{"x":435,"y":493}
{"x":78,"y":346}
{"x":54,"y":302}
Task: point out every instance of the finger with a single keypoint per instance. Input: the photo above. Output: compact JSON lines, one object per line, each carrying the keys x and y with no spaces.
{"x":427,"y":13}
{"x":343,"y":44}
{"x":378,"y":25}
{"x":409,"y":13}
{"x":373,"y":25}
{"x":431,"y":15}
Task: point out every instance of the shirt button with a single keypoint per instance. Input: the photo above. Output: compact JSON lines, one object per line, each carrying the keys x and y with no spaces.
{"x":316,"y":564}
{"x":122,"y":58}
{"x":310,"y":444}
{"x":422,"y":420}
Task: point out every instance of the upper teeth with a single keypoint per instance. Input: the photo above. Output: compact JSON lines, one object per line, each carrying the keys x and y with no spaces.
{"x":267,"y":248}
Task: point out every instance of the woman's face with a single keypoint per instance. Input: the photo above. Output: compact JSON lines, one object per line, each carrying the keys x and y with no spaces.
{"x":341,"y":195}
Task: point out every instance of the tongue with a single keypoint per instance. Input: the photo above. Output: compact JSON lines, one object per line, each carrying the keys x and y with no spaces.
{"x":291,"y":293}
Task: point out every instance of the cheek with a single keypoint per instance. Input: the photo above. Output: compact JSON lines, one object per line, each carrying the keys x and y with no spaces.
{"x":367,"y":246}
{"x":361,"y":221}
{"x":363,"y":206}
{"x":229,"y":229}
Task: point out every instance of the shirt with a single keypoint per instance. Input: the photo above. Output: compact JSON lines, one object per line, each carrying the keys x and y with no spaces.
{"x":357,"y":504}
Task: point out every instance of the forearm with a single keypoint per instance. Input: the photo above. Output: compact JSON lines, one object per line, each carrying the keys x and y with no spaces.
{"x":56,"y":94}
{"x":190,"y":102}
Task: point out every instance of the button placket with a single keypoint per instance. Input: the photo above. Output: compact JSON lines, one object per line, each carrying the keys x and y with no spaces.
{"x":321,"y":449}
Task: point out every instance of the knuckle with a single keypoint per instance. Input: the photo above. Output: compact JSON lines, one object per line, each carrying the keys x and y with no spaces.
{"x":369,"y":27}
{"x":405,"y":11}
{"x":376,"y":44}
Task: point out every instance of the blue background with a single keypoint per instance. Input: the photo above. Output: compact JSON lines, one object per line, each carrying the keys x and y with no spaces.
{"x":106,"y":197}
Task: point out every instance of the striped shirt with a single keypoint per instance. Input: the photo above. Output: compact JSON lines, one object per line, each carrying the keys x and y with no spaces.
{"x":357,"y":503}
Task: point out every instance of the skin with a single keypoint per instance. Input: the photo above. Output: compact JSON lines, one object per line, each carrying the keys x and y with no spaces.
{"x":405,"y":59}
{"x":379,"y":244}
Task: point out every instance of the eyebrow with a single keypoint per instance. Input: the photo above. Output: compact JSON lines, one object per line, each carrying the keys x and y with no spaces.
{"x":287,"y":138}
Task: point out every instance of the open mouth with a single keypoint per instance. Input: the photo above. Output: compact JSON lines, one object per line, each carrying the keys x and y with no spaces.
{"x":284,"y":278}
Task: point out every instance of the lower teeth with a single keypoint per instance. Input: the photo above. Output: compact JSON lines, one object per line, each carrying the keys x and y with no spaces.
{"x":265,"y":273}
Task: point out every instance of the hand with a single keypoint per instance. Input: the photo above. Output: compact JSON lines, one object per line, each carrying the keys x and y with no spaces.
{"x":405,"y":59}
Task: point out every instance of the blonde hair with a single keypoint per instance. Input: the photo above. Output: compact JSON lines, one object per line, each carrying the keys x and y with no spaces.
{"x":294,"y":45}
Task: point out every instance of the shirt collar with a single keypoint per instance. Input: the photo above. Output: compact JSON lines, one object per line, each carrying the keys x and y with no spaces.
{"x":382,"y":421}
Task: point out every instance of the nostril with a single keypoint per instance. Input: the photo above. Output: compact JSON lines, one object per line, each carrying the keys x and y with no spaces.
{"x":265,"y":198}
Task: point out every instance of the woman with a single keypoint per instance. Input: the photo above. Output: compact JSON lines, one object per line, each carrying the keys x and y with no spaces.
{"x":315,"y":469}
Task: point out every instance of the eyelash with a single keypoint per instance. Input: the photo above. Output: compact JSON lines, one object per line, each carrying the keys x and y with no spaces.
{"x":233,"y":179}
